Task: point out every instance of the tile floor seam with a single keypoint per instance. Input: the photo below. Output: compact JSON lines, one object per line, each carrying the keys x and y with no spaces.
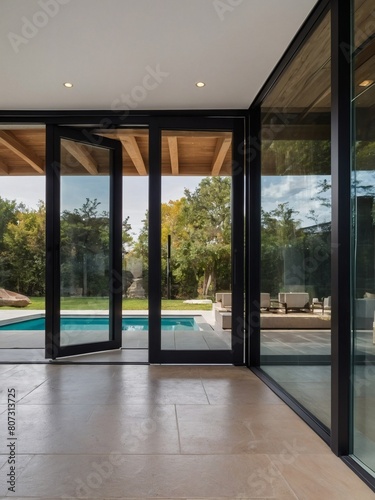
{"x":32,"y":390}
{"x":205,"y":392}
{"x":284,"y":478}
{"x":178,"y":430}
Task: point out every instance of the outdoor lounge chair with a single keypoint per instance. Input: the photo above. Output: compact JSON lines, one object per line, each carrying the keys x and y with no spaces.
{"x":294,"y":300}
{"x":326,"y":304}
{"x":265,"y":301}
{"x":222,"y":309}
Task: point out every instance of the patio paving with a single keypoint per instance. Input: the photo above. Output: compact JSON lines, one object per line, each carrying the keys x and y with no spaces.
{"x":28,"y":346}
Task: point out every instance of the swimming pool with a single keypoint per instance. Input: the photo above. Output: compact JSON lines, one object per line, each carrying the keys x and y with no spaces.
{"x":101,"y":323}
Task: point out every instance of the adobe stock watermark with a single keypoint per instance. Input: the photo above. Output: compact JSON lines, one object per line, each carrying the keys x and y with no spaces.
{"x":31,"y":26}
{"x":131,"y":440}
{"x":151,"y":80}
{"x":100,"y":473}
{"x":223,"y":7}
{"x":261,"y":478}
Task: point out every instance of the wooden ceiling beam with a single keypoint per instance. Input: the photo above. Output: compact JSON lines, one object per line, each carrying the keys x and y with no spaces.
{"x":4,"y":169}
{"x":173,"y":152}
{"x":198,"y":134}
{"x":81,"y":154}
{"x":9,"y":141}
{"x":131,"y":146}
{"x":222,"y":147}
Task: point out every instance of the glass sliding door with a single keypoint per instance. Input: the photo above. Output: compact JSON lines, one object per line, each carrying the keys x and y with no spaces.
{"x":201,"y":211}
{"x":84,"y":314}
{"x":363,"y":184}
{"x":295,"y":299}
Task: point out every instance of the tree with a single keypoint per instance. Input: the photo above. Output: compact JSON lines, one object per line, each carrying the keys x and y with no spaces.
{"x":200,"y":227}
{"x":207,"y":218}
{"x":85,"y":249}
{"x":24,"y":251}
{"x":292,"y":255}
{"x":8,"y":215}
{"x":279,"y":231}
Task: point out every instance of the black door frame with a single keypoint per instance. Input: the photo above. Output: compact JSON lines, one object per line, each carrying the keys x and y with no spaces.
{"x":237,"y":127}
{"x":53,"y":349}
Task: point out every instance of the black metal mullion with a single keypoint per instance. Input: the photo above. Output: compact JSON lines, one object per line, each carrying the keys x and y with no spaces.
{"x":52,"y":314}
{"x":253,"y":226}
{"x":110,"y":119}
{"x":115,"y":261}
{"x":237,"y":208}
{"x":341,"y":226}
{"x":154,"y":242}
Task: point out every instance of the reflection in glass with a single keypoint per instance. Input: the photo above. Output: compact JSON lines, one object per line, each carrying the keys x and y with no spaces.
{"x":296,"y":227}
{"x":363,"y":181}
{"x":84,"y":232}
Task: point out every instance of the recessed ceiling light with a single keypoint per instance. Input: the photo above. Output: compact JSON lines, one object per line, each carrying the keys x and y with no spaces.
{"x":200,"y":84}
{"x":366,"y":83}
{"x":68,"y":85}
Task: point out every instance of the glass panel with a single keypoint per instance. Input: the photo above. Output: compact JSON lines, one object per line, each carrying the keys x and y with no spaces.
{"x":85,"y":233}
{"x":196,"y":240}
{"x":135,"y":239}
{"x":296,"y":227}
{"x":364,"y":235}
{"x":22,"y":241}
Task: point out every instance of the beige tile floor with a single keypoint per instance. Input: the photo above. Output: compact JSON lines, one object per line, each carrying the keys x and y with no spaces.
{"x":167,"y":432}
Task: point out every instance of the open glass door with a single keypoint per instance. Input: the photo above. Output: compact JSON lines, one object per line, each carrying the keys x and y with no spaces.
{"x":84,"y":247}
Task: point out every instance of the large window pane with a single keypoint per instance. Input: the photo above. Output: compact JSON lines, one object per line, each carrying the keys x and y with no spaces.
{"x":296,"y":227}
{"x":364,"y":235}
{"x":196,"y":240}
{"x":85,"y":242}
{"x":22,"y":240}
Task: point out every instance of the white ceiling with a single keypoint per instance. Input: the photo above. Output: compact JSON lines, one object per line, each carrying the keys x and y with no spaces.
{"x":106,"y":48}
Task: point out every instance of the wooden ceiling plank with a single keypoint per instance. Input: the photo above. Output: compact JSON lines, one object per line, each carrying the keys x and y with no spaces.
{"x":222,"y":147}
{"x":131,"y":146}
{"x":173,"y":152}
{"x":4,"y":169}
{"x":196,"y":134}
{"x":8,"y":140}
{"x":80,"y":153}
{"x":121,"y":133}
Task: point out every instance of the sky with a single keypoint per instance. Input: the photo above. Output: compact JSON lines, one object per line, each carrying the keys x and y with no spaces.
{"x":300,"y":192}
{"x":75,"y":190}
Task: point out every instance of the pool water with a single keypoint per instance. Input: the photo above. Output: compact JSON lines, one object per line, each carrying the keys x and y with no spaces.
{"x":101,"y":323}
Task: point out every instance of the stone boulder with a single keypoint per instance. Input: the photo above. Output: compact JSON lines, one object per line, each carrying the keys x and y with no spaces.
{"x":13,"y":299}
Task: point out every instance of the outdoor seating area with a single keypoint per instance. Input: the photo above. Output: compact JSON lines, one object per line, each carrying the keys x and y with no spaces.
{"x":290,"y":310}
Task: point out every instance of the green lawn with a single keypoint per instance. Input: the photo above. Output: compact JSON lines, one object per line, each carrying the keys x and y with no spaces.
{"x":71,"y":303}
